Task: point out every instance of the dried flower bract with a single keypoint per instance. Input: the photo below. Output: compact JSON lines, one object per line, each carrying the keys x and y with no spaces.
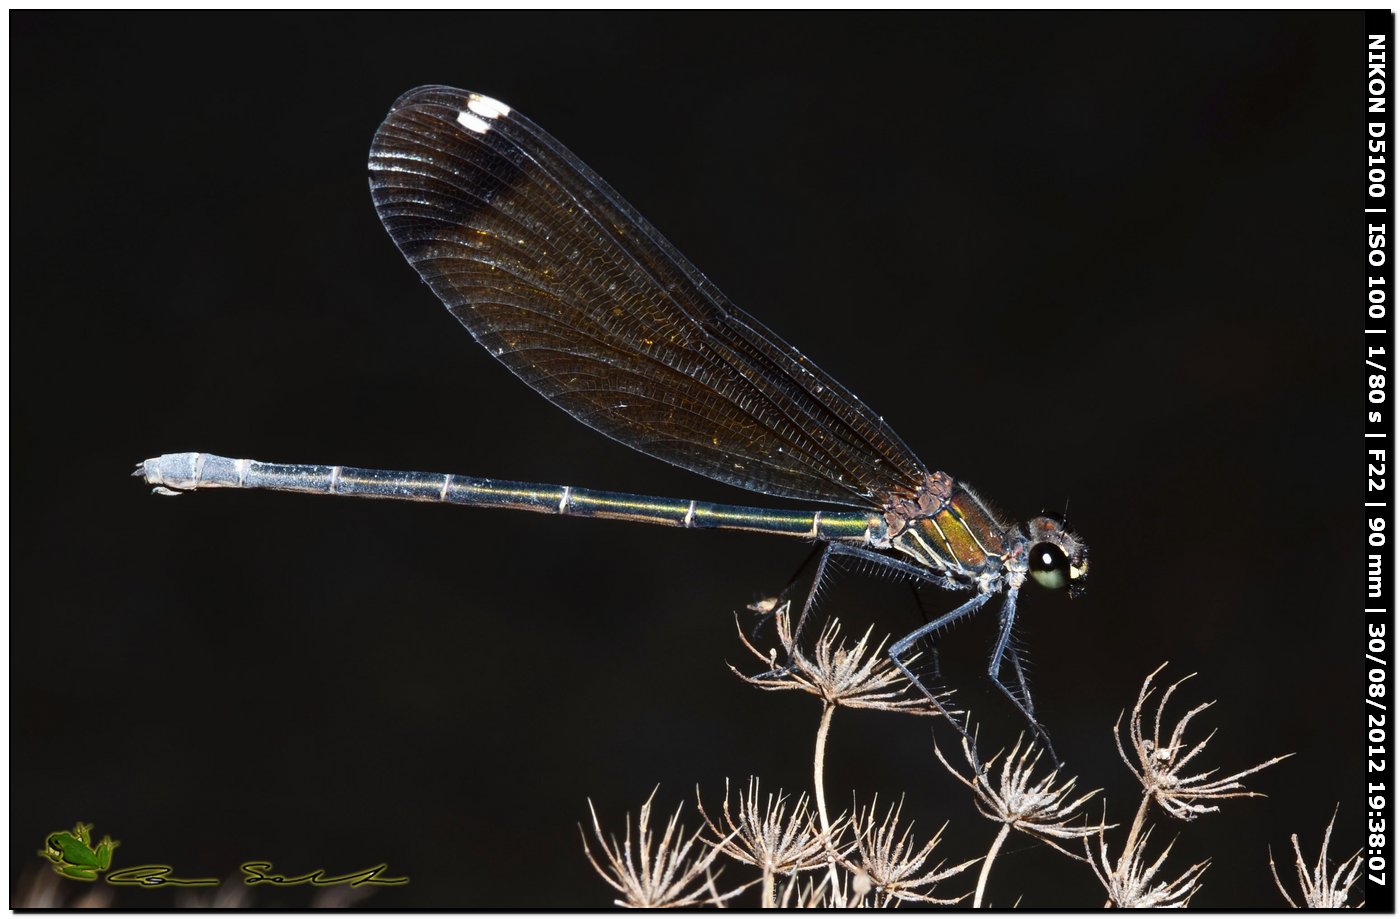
{"x":760,"y":832}
{"x":860,"y":676}
{"x":1160,"y":763}
{"x":1129,"y":882}
{"x":1040,"y":807}
{"x":891,"y":863}
{"x":1321,"y":890}
{"x":666,"y":875}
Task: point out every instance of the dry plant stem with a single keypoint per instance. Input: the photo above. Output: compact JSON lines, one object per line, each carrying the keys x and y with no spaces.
{"x":987,"y":864}
{"x":819,"y":765}
{"x":819,"y":786}
{"x":1130,"y":880}
{"x":768,"y":889}
{"x":1139,"y":820}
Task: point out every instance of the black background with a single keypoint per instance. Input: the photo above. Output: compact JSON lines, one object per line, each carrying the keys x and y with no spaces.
{"x":1109,"y":260}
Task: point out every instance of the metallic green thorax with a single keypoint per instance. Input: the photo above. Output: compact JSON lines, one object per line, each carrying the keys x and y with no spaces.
{"x":956,"y":533}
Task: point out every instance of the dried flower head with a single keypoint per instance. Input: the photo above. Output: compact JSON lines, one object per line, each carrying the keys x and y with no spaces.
{"x":663,"y":876}
{"x":891,"y":864}
{"x":762,"y":833}
{"x":1129,"y":883}
{"x":1160,"y":764}
{"x":860,"y":676}
{"x":1321,"y":891}
{"x":1040,"y":807}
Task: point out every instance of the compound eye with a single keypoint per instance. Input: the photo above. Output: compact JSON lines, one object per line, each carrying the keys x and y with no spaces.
{"x":1049,"y":566}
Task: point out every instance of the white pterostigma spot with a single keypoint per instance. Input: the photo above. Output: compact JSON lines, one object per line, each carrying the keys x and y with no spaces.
{"x":487,"y":107}
{"x":472,"y":123}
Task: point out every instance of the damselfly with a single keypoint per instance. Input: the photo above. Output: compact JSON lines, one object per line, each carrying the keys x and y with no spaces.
{"x":579,"y":296}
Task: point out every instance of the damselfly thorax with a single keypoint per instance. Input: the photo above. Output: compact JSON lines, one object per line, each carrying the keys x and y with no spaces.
{"x":948,"y":528}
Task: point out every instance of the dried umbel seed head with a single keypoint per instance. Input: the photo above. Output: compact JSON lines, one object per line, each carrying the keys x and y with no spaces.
{"x":1131,"y":882}
{"x":841,"y":674}
{"x":1161,"y":765}
{"x":672,"y":871}
{"x":1044,"y":806}
{"x":773,"y":833}
{"x":892,"y":864}
{"x":1320,"y":889}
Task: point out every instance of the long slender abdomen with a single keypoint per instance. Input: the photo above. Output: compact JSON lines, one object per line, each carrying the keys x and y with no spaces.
{"x":176,"y":473}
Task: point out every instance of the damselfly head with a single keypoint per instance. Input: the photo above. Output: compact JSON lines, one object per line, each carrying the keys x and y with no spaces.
{"x":1059,"y":560}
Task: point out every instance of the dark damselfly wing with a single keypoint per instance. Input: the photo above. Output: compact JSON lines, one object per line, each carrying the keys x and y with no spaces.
{"x":568,"y":286}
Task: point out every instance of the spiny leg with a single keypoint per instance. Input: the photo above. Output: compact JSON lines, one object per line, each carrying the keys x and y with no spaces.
{"x":1002,"y":651}
{"x":880,"y":562}
{"x":768,"y":607}
{"x":898,"y":649}
{"x":931,"y":640}
{"x":1015,"y":657}
{"x":918,"y":576}
{"x":811,"y":599}
{"x":807,"y":603}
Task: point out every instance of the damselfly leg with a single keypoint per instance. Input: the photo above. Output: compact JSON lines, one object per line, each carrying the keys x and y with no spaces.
{"x":1001,"y":652}
{"x":928,"y":646}
{"x":767,"y":608}
{"x":1004,"y":651}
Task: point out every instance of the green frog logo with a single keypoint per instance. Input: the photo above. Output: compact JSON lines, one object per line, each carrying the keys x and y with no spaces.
{"x":74,"y":857}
